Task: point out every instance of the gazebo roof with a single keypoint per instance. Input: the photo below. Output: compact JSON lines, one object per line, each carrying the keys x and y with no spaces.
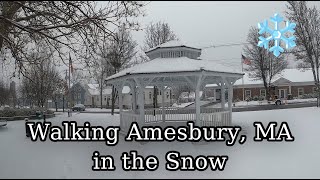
{"x":175,"y":65}
{"x":172,"y":44}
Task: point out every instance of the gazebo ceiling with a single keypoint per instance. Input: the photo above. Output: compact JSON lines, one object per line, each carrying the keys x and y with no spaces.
{"x":175,"y":67}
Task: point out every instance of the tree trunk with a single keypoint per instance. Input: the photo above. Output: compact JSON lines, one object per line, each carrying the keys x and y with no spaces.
{"x":101,"y":96}
{"x":63,"y":103}
{"x":113,"y":99}
{"x":56,"y":103}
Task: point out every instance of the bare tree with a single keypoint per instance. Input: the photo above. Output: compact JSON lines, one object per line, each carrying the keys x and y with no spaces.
{"x":76,"y":26}
{"x":119,"y":53}
{"x":4,"y":94}
{"x":307,"y":33}
{"x":101,"y":70}
{"x":43,"y":79}
{"x":156,"y":34}
{"x":264,"y":65}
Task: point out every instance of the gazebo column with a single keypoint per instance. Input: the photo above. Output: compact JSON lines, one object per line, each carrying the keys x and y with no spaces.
{"x":162,"y":103}
{"x":140,"y":87}
{"x":133,"y":97}
{"x":197,"y":98}
{"x":120,"y":87}
{"x":223,"y":96}
{"x":230,"y":97}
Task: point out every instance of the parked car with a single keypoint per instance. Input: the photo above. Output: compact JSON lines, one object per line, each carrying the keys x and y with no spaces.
{"x":3,"y":122}
{"x":79,"y":107}
{"x":276,"y":100}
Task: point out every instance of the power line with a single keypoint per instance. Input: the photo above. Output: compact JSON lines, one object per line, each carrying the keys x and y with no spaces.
{"x":224,"y":45}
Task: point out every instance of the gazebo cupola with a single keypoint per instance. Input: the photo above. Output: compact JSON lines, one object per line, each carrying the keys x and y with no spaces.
{"x":173,"y":49}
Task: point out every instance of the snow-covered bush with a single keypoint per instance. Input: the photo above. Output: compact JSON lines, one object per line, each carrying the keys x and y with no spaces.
{"x":261,"y":98}
{"x":308,"y":96}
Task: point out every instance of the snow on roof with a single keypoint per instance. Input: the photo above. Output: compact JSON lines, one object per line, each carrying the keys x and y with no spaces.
{"x":181,"y":64}
{"x":125,"y":90}
{"x":172,"y":43}
{"x":94,"y":90}
{"x":293,"y":75}
{"x":93,"y":86}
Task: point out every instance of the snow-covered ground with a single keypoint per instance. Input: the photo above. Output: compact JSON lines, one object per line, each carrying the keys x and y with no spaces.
{"x":264,"y":102}
{"x":182,"y":105}
{"x":22,"y":158}
{"x":91,"y":110}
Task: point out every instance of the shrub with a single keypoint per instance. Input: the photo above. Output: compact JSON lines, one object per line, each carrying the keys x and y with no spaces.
{"x":261,"y":98}
{"x":307,"y":96}
{"x":237,"y":100}
{"x":22,"y":112}
{"x":255,"y":98}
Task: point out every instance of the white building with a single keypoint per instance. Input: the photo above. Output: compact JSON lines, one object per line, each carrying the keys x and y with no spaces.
{"x":89,"y":95}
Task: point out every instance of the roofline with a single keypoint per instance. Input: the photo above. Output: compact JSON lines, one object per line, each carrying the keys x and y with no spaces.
{"x":180,"y":73}
{"x":172,"y":47}
{"x":292,"y":83}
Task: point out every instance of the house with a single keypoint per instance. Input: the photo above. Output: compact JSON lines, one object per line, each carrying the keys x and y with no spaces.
{"x":89,"y":95}
{"x":290,"y":83}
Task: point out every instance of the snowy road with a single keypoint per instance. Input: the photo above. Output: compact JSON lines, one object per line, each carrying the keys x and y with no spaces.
{"x":22,"y":158}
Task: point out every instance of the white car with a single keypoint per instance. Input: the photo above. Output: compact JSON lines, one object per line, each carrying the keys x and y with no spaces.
{"x":3,"y":122}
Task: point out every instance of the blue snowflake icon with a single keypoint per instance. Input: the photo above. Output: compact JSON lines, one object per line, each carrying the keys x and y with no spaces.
{"x":277,"y":35}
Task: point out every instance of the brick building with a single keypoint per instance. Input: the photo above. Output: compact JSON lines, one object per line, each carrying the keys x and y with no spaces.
{"x":291,"y":82}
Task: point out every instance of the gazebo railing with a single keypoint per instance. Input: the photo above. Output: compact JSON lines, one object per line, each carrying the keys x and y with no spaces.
{"x":216,"y":119}
{"x":208,"y":117}
{"x":126,"y":118}
{"x":176,"y":114}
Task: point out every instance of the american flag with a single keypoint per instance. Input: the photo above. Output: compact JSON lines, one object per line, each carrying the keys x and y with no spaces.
{"x":245,"y":60}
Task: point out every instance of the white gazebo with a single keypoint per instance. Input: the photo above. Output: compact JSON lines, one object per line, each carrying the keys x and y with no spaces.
{"x":174,"y":64}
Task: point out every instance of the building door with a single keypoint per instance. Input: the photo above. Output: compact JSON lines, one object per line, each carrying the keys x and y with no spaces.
{"x":282,"y":93}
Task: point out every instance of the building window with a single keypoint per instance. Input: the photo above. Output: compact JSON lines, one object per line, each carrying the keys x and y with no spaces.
{"x":247,"y":93}
{"x":105,"y":98}
{"x":300,"y":91}
{"x":150,"y":95}
{"x":79,"y":96}
{"x":314,"y":89}
{"x":167,"y":95}
{"x":263,"y":92}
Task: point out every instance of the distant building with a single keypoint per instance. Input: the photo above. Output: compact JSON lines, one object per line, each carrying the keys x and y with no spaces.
{"x":291,"y":82}
{"x":89,"y":95}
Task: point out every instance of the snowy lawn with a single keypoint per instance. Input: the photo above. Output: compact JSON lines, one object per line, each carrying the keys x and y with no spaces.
{"x":182,"y":105}
{"x":22,"y":158}
{"x":264,"y":102}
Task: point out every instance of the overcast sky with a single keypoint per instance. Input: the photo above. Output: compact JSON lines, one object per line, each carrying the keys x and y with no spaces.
{"x":211,"y":23}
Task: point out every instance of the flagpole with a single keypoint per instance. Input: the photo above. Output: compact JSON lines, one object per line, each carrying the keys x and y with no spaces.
{"x":69,"y":78}
{"x":242,"y":78}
